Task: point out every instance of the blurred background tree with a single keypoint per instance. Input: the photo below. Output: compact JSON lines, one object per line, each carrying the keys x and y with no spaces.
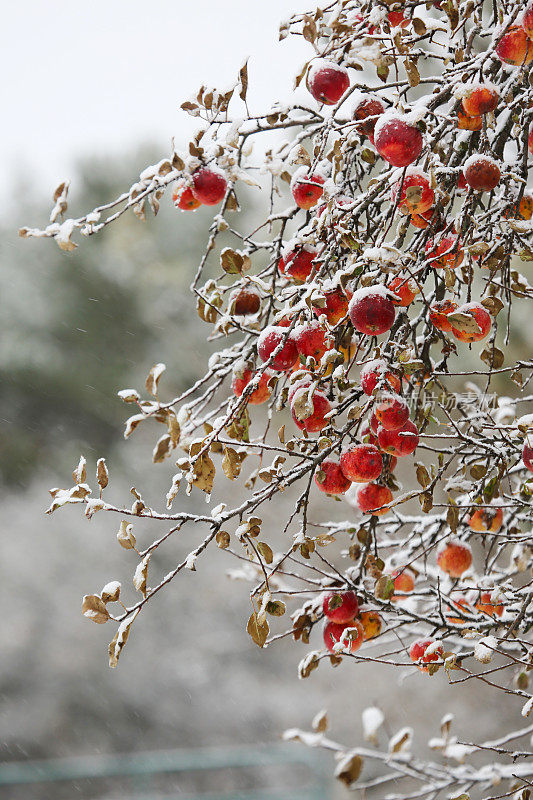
{"x":77,"y":327}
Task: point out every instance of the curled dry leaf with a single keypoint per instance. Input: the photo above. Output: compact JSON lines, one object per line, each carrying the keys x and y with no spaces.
{"x":204,"y":473}
{"x":231,"y":463}
{"x":93,"y":607}
{"x":80,"y":473}
{"x":61,"y":497}
{"x":102,"y":475}
{"x":120,"y":638}
{"x":152,"y":381}
{"x":349,"y":768}
{"x":111,"y":592}
{"x":320,"y":722}
{"x":125,"y":536}
{"x":140,"y":576}
{"x":257,"y":630}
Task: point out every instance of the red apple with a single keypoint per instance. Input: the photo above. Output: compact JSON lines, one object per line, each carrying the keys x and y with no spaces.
{"x":242,"y":375}
{"x":336,"y":306}
{"x":479,"y":98}
{"x":309,"y":413}
{"x":527,"y":457}
{"x":332,"y":481}
{"x":327,"y":81}
{"x":372,"y":498}
{"x":401,"y":442}
{"x":361,"y":463}
{"x":397,"y":141}
{"x":478,"y":328}
{"x":183,"y":197}
{"x":351,"y":635}
{"x":243,"y":301}
{"x":310,"y":340}
{"x":405,"y":288}
{"x":454,"y":558}
{"x":307,"y":189}
{"x":444,"y":251}
{"x":209,"y":185}
{"x":270,"y":338}
{"x":416,"y":195}
{"x":297,"y":262}
{"x":438,"y":314}
{"x":391,"y":411}
{"x":482,"y":173}
{"x":340,"y":607}
{"x":376,"y":371}
{"x":486,"y":519}
{"x":515,"y":47}
{"x":424,"y":659}
{"x":371,"y":310}
{"x":367,"y":111}
{"x":527,"y":20}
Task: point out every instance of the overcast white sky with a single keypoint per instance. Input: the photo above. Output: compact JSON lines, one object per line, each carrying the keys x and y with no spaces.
{"x":107,"y":75}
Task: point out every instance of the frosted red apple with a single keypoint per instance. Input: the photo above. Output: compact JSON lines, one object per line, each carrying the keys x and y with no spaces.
{"x":340,"y":607}
{"x":184,"y":199}
{"x":403,"y":580}
{"x":486,"y":519}
{"x":401,"y":442}
{"x":371,"y":310}
{"x":366,"y":434}
{"x":310,"y":340}
{"x":454,"y":558}
{"x":327,"y":81}
{"x":486,"y":606}
{"x":480,"y":99}
{"x":367,"y":113}
{"x":527,"y":20}
{"x":444,"y":251}
{"x":335,"y":632}
{"x":336,"y":306}
{"x":438,"y":314}
{"x":397,"y":19}
{"x":242,"y":376}
{"x":481,"y":323}
{"x":307,"y":189}
{"x":397,"y":141}
{"x":376,"y":371}
{"x":482,"y":173}
{"x":209,"y":185}
{"x":416,"y":195}
{"x":361,"y":463}
{"x":271,"y":338}
{"x":467,"y":123}
{"x":515,"y":47}
{"x":527,"y":457}
{"x":421,"y":657}
{"x":372,"y":498}
{"x":313,"y":420}
{"x":391,"y":411}
{"x":332,"y":481}
{"x":244,"y":301}
{"x":297,"y":262}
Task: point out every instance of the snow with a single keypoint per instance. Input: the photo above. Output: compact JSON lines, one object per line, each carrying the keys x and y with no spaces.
{"x":479,"y":158}
{"x":377,"y":290}
{"x":484,"y":649}
{"x":464,"y":89}
{"x":372,"y":718}
{"x":322,"y":63}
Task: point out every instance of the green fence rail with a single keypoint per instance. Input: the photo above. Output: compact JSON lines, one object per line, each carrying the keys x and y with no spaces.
{"x":148,"y":765}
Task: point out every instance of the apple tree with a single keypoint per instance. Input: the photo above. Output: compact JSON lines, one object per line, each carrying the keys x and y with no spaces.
{"x":372,"y":314}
